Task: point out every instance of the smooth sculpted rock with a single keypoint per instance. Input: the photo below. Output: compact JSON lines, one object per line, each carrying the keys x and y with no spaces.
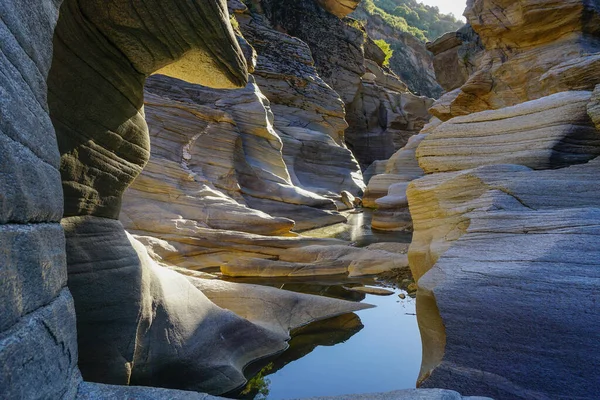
{"x":532,"y":282}
{"x":506,"y":227}
{"x":319,"y":259}
{"x":190,"y":178}
{"x":110,"y":50}
{"x":133,"y":319}
{"x":307,"y":114}
{"x":142,"y":324}
{"x":279,"y":311}
{"x":449,"y":196}
{"x":550,"y":132}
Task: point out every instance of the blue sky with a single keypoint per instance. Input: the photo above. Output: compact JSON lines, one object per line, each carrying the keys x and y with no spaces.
{"x":455,"y":7}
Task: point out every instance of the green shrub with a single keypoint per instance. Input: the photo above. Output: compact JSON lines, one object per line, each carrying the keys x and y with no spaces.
{"x":387,"y":49}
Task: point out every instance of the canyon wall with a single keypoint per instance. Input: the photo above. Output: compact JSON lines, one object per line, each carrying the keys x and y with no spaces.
{"x":234,"y":173}
{"x":73,"y":116}
{"x":223,"y":171}
{"x":506,"y":215}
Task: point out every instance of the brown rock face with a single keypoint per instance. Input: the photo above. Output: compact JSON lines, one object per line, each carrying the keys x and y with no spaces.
{"x":339,"y":8}
{"x":456,"y":57}
{"x":531,"y":50}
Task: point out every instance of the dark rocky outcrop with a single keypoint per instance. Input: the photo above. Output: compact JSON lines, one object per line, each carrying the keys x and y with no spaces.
{"x":456,"y":56}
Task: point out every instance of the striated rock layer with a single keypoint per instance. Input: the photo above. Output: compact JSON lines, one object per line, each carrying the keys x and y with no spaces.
{"x":38,"y":342}
{"x":507,"y":214}
{"x":232,"y":172}
{"x":532,"y":50}
{"x":381,"y":112}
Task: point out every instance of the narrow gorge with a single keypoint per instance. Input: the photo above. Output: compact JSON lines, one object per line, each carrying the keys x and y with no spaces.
{"x":277,"y":199}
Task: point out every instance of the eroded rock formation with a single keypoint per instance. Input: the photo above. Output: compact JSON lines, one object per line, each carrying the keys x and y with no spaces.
{"x":229,"y":170}
{"x":508,"y":210}
{"x":381,"y":112}
{"x":137,"y":322}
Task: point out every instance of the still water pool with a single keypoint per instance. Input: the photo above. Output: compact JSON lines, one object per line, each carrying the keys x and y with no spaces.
{"x":373,"y":350}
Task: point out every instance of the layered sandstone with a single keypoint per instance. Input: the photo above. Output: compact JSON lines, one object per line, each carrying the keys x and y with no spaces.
{"x":532,"y":50}
{"x":508,"y":210}
{"x":381,"y":112}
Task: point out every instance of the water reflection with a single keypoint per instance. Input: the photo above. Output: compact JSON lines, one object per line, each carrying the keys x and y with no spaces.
{"x":377,"y":350}
{"x":304,"y":340}
{"x":357,"y":230}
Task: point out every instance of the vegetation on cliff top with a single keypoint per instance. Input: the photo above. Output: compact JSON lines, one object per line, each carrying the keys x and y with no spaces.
{"x":420,"y":20}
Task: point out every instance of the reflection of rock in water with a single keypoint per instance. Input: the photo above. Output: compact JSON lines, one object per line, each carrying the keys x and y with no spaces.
{"x":321,"y":286}
{"x":304,"y":340}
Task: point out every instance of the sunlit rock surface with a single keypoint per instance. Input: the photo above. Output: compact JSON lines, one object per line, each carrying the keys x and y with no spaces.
{"x":506,"y":217}
{"x":279,"y":311}
{"x":550,"y":132}
{"x":532,"y":50}
{"x":484,"y":218}
{"x":230,"y":165}
{"x":320,"y":259}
